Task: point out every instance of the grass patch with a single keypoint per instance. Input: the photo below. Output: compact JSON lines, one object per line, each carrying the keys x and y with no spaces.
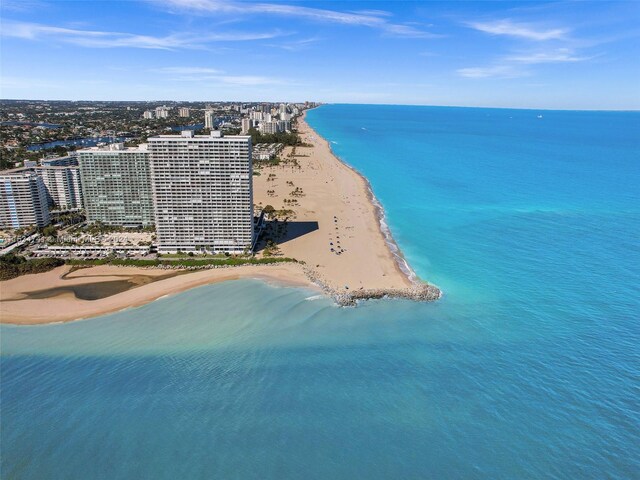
{"x":12,"y":266}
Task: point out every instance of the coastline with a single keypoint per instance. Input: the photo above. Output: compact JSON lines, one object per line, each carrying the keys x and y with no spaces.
{"x":381,"y":216}
{"x":338,"y":208}
{"x":17,"y":308}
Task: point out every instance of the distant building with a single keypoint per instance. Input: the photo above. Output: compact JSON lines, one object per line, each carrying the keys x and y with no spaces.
{"x":203,"y":195}
{"x":266,"y":151}
{"x":23,"y":199}
{"x":116,"y":185}
{"x":268,"y":127}
{"x":284,"y":125}
{"x":149,"y":114}
{"x":246,"y":125}
{"x":162,"y":112}
{"x":277,"y":126}
{"x":209,"y":119}
{"x":61,"y":178}
{"x":183,"y":112}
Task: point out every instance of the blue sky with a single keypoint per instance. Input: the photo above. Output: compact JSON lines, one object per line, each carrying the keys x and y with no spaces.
{"x":574,"y":55}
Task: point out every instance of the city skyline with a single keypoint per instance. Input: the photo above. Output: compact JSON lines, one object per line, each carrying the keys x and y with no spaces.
{"x":557,"y":55}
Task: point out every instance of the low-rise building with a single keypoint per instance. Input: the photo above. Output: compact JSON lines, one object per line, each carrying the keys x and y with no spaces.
{"x":266,"y":151}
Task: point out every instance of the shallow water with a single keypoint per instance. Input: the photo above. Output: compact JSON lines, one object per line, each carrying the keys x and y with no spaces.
{"x":527,"y":368}
{"x":86,"y":291}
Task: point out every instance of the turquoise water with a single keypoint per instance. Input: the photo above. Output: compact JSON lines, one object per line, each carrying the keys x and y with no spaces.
{"x":528,"y":368}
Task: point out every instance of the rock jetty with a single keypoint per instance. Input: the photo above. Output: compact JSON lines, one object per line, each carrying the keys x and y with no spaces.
{"x":420,"y":292}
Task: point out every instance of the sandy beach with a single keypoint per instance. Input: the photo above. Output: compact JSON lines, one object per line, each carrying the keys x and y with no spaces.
{"x":335,"y":211}
{"x":16,"y":306}
{"x":333,"y":227}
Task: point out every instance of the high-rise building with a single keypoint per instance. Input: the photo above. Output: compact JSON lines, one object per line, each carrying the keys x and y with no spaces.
{"x":246,"y":125}
{"x":149,"y":114}
{"x":116,"y":185}
{"x":61,"y":178}
{"x":162,"y":112}
{"x":68,"y":161}
{"x":268,"y":127}
{"x":209,"y":119}
{"x":183,"y":112}
{"x":284,"y":125}
{"x":23,"y":199}
{"x":202,"y":189}
{"x":277,"y":126}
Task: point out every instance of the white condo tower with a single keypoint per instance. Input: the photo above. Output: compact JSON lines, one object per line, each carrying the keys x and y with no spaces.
{"x":203,"y":195}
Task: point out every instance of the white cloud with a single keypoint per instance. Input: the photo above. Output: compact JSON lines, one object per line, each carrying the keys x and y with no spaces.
{"x":499,"y":71}
{"x":367,"y":18}
{"x":207,"y":75}
{"x":188,"y":70}
{"x":521,"y":30}
{"x":511,"y":66}
{"x":102,"y":39}
{"x":561,"y":55}
{"x":296,"y":45}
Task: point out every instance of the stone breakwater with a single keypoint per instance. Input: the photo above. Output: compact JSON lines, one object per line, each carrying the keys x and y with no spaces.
{"x":420,"y":292}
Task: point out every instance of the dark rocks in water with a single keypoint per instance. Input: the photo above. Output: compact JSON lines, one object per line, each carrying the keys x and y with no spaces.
{"x":419,"y":292}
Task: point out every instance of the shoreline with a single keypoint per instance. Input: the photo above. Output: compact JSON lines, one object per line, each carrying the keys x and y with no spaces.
{"x":338,"y":205}
{"x":381,"y":216}
{"x":66,"y":307}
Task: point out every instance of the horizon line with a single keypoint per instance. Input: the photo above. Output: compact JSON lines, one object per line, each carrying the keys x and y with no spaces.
{"x":332,"y":103}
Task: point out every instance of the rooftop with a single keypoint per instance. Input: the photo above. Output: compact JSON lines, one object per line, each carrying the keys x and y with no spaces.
{"x":114,"y":147}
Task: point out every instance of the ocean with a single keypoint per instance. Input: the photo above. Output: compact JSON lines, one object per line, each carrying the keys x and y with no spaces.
{"x":527,"y":368}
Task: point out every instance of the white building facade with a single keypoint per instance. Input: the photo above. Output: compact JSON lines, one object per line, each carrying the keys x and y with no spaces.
{"x":209,"y":119}
{"x":64,"y":190}
{"x":203,"y":194}
{"x":162,"y":112}
{"x":61,"y":178}
{"x":23,"y":200}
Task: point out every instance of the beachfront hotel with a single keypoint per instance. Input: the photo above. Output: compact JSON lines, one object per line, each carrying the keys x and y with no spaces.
{"x":23,"y":199}
{"x":203,"y":194}
{"x":116,"y":185}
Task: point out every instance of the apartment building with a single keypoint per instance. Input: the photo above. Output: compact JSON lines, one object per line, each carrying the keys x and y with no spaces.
{"x":116,"y":185}
{"x":209,"y":119}
{"x":23,"y":199}
{"x":162,"y":112}
{"x":61,"y":178}
{"x":203,"y":195}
